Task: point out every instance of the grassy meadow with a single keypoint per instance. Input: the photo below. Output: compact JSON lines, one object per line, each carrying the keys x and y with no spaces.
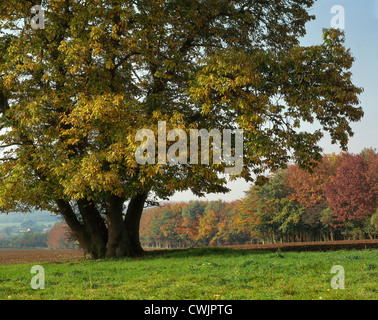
{"x":203,"y":273}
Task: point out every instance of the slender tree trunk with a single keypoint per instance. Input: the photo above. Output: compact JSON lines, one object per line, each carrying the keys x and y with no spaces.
{"x":132,"y":221}
{"x":73,"y":223}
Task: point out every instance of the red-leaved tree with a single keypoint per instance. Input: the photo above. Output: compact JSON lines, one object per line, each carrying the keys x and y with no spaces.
{"x":351,"y":193}
{"x":309,"y":188}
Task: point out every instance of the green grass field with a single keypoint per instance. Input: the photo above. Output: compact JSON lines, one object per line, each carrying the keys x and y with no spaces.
{"x":206,"y":274}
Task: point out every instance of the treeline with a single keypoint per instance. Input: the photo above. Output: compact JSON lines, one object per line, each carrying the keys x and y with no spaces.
{"x":25,"y":240}
{"x":337,"y":201}
{"x":176,"y":225}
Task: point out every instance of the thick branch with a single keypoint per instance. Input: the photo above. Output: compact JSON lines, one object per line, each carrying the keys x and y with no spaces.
{"x":8,"y":159}
{"x":4,"y":105}
{"x":127,"y":57}
{"x":69,"y":215}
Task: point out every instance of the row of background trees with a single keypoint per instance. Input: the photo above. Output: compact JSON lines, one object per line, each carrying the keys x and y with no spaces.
{"x":337,"y":201}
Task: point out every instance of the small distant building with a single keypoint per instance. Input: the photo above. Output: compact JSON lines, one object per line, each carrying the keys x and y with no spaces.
{"x":76,"y":245}
{"x":23,"y":230}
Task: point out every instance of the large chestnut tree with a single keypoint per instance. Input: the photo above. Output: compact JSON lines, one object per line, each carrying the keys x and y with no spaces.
{"x":74,"y":93}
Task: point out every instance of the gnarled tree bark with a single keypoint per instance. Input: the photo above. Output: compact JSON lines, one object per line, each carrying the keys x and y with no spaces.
{"x":111,"y":235}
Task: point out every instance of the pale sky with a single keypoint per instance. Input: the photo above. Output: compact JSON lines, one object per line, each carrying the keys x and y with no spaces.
{"x":361,"y":31}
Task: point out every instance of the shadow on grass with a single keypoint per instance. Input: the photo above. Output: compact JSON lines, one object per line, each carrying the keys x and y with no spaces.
{"x":199,"y":252}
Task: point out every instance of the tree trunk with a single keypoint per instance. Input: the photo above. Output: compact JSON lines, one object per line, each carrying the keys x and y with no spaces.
{"x":132,"y":221}
{"x":90,"y":232}
{"x":118,"y":242}
{"x":117,"y":238}
{"x":95,"y":231}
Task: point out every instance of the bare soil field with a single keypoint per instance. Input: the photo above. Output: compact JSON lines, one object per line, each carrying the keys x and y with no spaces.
{"x":29,"y":256}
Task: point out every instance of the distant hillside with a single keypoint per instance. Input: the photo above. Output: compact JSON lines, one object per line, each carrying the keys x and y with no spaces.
{"x":36,"y":216}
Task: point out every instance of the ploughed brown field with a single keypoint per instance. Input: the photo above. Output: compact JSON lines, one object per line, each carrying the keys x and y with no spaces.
{"x":31,"y":256}
{"x":28,"y":256}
